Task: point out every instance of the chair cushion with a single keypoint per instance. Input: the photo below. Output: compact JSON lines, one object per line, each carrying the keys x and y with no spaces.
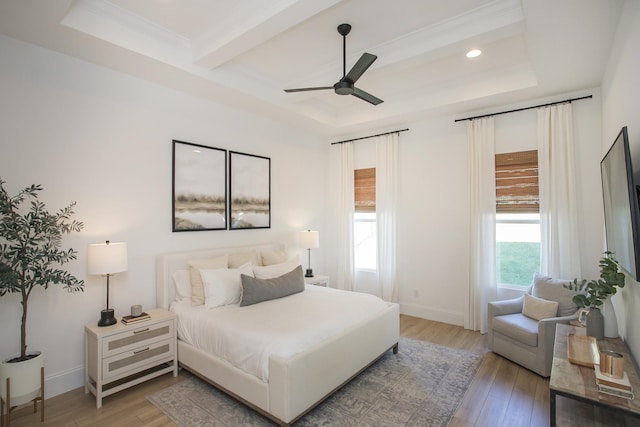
{"x":538,"y":308}
{"x":517,"y":327}
{"x":552,"y":290}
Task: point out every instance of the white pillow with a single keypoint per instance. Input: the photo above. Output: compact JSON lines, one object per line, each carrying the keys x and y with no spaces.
{"x":197,"y":288}
{"x":538,"y":308}
{"x":183,"y":285}
{"x":277,"y":256}
{"x":276,"y":270}
{"x":223,"y":286}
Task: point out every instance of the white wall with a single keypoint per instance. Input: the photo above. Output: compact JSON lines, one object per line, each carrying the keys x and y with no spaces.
{"x":103,"y":139}
{"x":620,"y":100}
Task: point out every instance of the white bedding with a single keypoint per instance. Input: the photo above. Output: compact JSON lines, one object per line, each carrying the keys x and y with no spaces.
{"x":246,"y":336}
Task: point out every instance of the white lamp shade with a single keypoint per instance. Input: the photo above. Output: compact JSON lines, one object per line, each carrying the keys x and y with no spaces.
{"x":309,"y":239}
{"x":107,"y":258}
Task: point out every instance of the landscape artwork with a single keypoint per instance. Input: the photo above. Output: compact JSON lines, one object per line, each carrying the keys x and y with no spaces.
{"x":250,"y":191}
{"x":199,"y":187}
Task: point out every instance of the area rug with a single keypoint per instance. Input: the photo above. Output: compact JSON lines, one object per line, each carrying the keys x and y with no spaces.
{"x":422,"y":385}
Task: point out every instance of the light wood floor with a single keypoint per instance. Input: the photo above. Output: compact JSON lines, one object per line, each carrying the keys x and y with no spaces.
{"x":501,"y":394}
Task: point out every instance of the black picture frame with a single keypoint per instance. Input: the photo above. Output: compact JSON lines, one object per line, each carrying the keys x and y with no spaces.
{"x":199,"y":175}
{"x":250,"y":191}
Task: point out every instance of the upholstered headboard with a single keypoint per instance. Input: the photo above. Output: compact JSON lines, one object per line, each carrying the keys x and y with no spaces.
{"x":167,"y":264}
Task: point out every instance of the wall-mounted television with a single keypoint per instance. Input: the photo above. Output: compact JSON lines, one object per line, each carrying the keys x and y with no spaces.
{"x":621,"y":211}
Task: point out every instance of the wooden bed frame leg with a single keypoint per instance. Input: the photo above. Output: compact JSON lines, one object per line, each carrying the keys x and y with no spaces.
{"x":395,"y":349}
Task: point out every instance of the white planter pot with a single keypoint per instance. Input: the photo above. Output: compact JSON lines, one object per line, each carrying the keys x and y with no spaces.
{"x":25,"y":379}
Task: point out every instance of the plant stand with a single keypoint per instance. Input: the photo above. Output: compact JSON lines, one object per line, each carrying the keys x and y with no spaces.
{"x":7,"y":403}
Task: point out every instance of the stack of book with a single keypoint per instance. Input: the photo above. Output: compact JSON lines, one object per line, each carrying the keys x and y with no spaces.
{"x":617,"y":387}
{"x":128,"y":320}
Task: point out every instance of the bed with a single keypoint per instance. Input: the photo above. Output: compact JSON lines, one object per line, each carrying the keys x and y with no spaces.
{"x":296,"y":380}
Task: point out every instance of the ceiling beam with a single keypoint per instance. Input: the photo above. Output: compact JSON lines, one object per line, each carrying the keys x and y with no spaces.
{"x":225,"y":43}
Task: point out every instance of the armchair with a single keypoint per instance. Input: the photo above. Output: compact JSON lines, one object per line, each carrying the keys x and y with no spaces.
{"x":523,"y":339}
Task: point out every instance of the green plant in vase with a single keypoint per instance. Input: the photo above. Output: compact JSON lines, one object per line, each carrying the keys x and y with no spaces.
{"x":593,"y":293}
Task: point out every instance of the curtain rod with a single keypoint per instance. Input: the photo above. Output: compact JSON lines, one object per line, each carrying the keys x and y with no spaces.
{"x":370,"y":136}
{"x":524,"y":108}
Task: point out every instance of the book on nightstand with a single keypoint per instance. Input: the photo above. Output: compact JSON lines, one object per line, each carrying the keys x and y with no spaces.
{"x":127,"y":320}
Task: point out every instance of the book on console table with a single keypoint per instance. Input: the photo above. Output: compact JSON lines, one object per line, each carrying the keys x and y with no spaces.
{"x":127,"y":320}
{"x":615,"y":391}
{"x":615,"y":386}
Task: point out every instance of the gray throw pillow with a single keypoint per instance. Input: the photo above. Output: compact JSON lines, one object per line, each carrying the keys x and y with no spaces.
{"x":552,"y":290}
{"x":258,"y":290}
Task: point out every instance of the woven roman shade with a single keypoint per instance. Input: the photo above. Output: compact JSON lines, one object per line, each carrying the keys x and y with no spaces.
{"x":365,"y":190}
{"x":517,"y":182}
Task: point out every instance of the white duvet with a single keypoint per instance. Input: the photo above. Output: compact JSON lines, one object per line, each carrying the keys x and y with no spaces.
{"x":246,"y":336}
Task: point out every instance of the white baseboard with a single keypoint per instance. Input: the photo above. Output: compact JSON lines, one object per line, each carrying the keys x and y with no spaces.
{"x":64,"y":381}
{"x":430,"y":313}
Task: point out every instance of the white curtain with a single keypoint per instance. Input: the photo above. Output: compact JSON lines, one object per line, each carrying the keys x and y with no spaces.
{"x":341,"y":215}
{"x":482,"y":225}
{"x":386,"y":203}
{"x":559,"y":245}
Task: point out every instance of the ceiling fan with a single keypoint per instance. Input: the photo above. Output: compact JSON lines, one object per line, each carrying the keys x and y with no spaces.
{"x":345,"y":86}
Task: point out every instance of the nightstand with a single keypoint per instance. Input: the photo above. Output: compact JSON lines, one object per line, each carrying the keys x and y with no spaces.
{"x":317,"y":280}
{"x":120,"y":356}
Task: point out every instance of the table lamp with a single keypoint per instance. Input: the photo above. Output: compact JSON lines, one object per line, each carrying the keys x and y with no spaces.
{"x":309,"y":240}
{"x":107,"y":259}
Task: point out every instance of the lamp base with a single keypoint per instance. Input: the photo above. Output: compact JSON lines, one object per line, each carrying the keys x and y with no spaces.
{"x":106,"y":317}
{"x":309,"y":273}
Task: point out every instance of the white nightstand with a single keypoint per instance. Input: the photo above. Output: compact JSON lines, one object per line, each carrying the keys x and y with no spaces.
{"x":317,"y":280}
{"x":120,"y":356}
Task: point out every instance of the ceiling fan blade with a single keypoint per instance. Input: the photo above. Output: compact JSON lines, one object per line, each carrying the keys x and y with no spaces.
{"x":360,"y":67}
{"x":366,"y":96}
{"x":304,"y":89}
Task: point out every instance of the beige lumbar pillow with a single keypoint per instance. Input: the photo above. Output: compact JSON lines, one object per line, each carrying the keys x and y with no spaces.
{"x":538,"y":308}
{"x":195,"y":265}
{"x":238,"y":259}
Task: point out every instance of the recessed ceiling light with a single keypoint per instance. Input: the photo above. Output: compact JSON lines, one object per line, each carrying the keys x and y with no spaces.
{"x":474,"y":53}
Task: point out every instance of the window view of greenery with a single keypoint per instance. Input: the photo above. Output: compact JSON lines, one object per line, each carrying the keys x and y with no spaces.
{"x":516,"y":262}
{"x":517,"y":248}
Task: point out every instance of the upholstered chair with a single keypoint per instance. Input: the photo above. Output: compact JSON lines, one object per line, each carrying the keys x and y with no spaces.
{"x":523,"y":329}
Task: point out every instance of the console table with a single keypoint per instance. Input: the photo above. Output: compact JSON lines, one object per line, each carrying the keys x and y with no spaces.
{"x":579,"y":382}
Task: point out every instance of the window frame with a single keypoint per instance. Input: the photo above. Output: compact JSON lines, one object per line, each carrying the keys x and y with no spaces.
{"x":517,"y":193}
{"x":364,"y":182}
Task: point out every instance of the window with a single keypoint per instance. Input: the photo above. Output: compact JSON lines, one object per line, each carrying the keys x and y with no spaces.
{"x":517,"y":218}
{"x":365,"y":241}
{"x":517,"y":248}
{"x":364,"y":220}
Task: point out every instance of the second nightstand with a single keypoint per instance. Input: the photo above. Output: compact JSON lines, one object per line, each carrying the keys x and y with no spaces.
{"x":317,"y":280}
{"x":121,"y":356}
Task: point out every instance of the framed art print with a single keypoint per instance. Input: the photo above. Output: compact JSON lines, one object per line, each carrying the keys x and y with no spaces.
{"x":199,"y":187}
{"x":250,"y":190}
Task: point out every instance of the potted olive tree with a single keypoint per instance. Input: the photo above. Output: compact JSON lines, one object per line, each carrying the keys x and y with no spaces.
{"x":31,"y":257}
{"x":594,"y":293}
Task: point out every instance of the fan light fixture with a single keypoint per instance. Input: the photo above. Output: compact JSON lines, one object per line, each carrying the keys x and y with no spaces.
{"x":346,"y":85}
